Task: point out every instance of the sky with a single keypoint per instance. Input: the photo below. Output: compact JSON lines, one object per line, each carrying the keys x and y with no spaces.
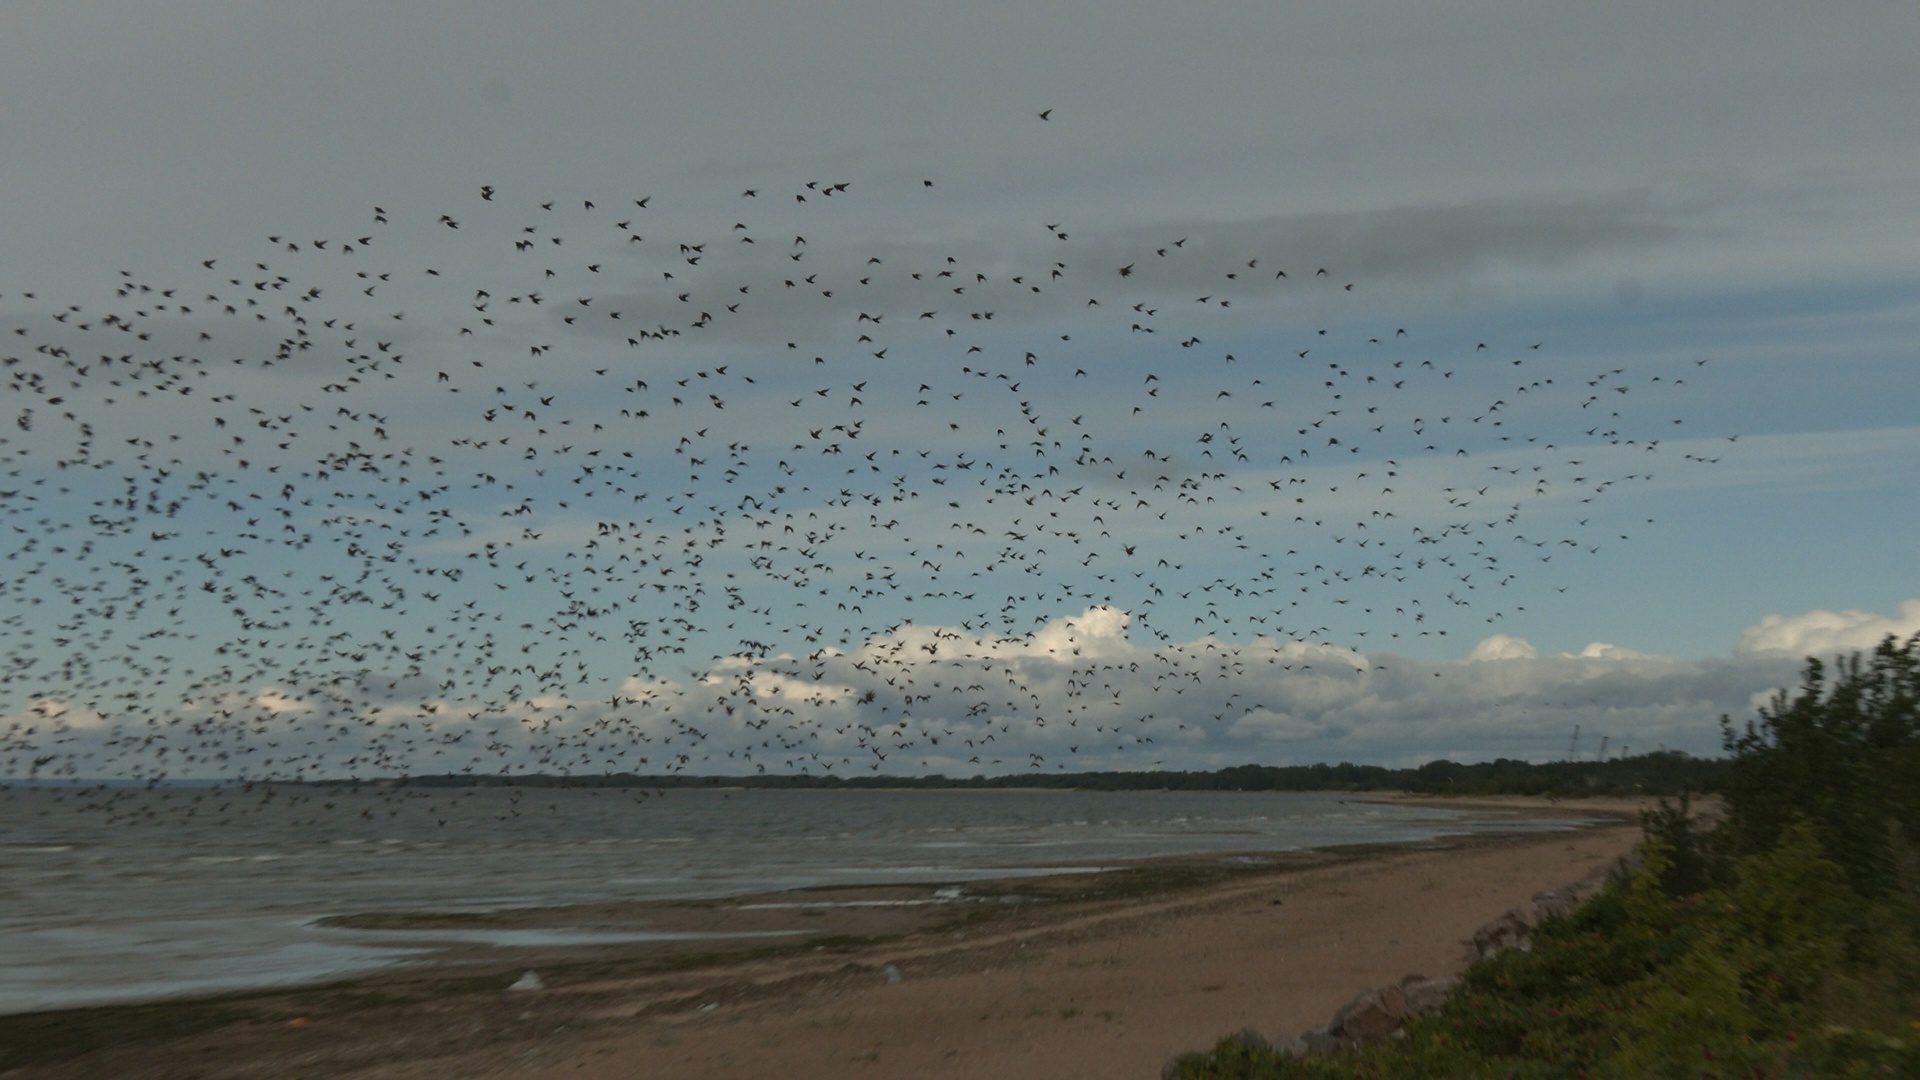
{"x":866,"y":388}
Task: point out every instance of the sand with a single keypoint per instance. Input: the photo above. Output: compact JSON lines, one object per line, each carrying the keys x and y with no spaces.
{"x":1080,"y":976}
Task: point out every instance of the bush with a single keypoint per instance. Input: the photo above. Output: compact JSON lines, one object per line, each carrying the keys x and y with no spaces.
{"x":1780,"y":943}
{"x":1845,"y":758}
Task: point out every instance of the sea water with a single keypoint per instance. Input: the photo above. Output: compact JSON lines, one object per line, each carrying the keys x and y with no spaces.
{"x":136,"y":895}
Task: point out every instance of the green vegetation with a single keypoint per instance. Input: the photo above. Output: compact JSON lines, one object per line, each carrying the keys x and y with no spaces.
{"x":1783,"y":941}
{"x":1665,"y":772}
{"x":1847,"y":760}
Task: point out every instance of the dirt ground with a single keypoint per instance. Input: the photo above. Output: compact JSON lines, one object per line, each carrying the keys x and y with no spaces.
{"x":1088,"y":975}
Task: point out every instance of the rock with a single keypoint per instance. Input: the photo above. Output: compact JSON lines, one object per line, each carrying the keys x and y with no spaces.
{"x":1424,"y":997}
{"x":1365,"y":1019}
{"x":1254,"y":1039}
{"x":1293,"y":1047}
{"x":1510,"y":931}
{"x":1561,"y":902}
{"x":1340,"y":1015}
{"x":1320,"y":1040}
{"x":1554,"y":904}
{"x":529,"y":981}
{"x":892,"y":973}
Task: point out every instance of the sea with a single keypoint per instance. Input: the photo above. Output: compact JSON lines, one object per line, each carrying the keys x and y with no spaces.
{"x":140,"y":895}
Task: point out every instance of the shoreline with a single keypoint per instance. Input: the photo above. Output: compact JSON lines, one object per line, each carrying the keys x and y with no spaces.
{"x":624,"y":1005}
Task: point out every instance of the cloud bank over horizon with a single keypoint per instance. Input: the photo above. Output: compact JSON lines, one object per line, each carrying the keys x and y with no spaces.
{"x":933,"y":699}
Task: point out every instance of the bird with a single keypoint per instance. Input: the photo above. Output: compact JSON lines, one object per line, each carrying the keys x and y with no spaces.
{"x":919,"y":499}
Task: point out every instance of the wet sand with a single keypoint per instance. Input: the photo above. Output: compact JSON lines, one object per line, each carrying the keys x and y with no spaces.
{"x":1094,"y":975}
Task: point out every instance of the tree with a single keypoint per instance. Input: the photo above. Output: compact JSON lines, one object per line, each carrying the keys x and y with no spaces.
{"x":1844,"y":757}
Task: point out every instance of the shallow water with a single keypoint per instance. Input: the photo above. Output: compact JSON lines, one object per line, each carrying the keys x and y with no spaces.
{"x":143,"y":899}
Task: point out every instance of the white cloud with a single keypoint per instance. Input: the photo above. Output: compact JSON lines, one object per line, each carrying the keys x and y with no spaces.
{"x":1506,"y":647}
{"x":276,"y":702}
{"x":1600,"y":650}
{"x":1820,"y":632}
{"x":1076,"y":694}
{"x":62,"y":716}
{"x":1502,"y":647}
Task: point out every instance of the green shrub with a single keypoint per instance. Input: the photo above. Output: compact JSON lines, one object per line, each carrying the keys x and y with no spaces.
{"x":1845,"y":757}
{"x":1780,"y":943}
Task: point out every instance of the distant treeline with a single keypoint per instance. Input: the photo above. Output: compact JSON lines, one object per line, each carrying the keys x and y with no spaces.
{"x":1660,"y":773}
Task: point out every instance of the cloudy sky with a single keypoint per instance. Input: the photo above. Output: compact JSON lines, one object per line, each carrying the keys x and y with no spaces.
{"x":417,"y":387}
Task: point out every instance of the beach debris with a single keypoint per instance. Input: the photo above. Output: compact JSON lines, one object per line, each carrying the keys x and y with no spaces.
{"x":892,"y":973}
{"x":529,"y":981}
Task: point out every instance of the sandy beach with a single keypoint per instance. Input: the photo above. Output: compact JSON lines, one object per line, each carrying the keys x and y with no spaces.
{"x":1078,"y":975}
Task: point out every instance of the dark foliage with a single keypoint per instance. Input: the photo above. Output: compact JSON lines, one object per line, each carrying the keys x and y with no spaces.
{"x":1660,"y":773}
{"x":1845,"y":757}
{"x":1782,"y":942}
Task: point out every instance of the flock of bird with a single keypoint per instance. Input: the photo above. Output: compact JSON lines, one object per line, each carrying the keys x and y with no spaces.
{"x":532,"y":484}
